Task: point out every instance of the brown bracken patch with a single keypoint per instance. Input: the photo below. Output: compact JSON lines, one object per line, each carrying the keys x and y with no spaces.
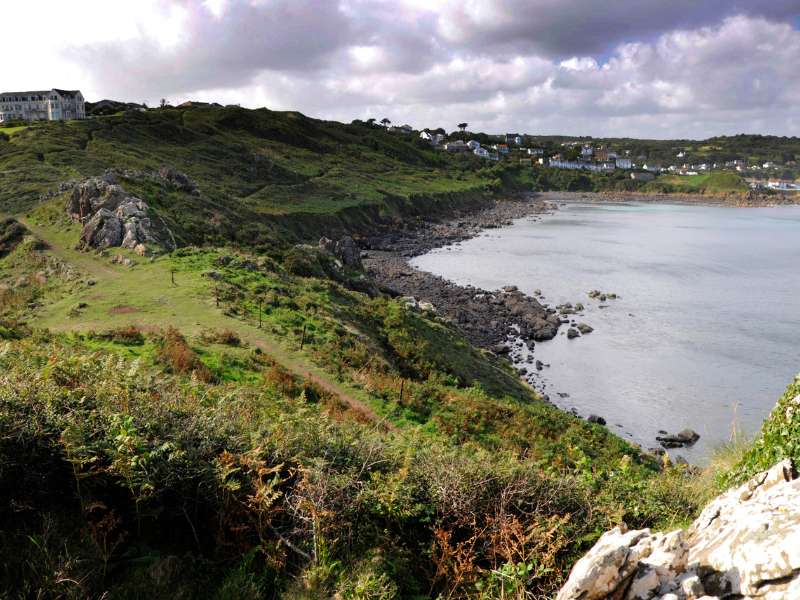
{"x":123,"y":310}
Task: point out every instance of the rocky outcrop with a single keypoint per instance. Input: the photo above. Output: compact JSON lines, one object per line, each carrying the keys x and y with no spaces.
{"x":12,"y":232}
{"x":687,"y":437}
{"x":345,"y":250}
{"x":113,"y":217}
{"x":744,"y":545}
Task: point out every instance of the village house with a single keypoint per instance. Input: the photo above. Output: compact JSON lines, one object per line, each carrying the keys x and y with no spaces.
{"x":513,"y":139}
{"x":624,"y":163}
{"x":586,"y":151}
{"x":401,"y":129}
{"x":481,"y":152}
{"x":535,"y":151}
{"x":456,"y":146}
{"x":500,"y":148}
{"x":433,"y":138}
{"x":48,"y":105}
{"x":473,"y":145}
{"x":601,"y":154}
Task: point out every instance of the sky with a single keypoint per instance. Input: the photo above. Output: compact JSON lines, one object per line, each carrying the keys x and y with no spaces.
{"x":639,"y":68}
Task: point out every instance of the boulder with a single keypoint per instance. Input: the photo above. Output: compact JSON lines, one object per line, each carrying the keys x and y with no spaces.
{"x":344,"y":250}
{"x":102,"y":230}
{"x":584,"y":328}
{"x":596,"y":419}
{"x":179,"y":181}
{"x":113,"y":217}
{"x":745,"y":544}
{"x":572,"y":333}
{"x":686,"y":437}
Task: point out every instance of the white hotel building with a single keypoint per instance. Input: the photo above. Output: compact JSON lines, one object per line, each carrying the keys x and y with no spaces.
{"x":49,"y":105}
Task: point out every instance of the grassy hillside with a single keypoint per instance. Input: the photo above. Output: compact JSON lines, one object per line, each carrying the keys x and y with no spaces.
{"x":251,"y":168}
{"x":248,"y":432}
{"x":244,"y":417}
{"x":707,"y":183}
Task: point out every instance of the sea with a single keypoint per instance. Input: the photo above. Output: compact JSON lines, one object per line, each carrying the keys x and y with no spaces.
{"x":705,"y":333}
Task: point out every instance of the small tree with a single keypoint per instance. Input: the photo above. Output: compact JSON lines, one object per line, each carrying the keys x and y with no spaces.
{"x":463,"y":127}
{"x":371,"y":121}
{"x":385,"y":122}
{"x":163,"y":102}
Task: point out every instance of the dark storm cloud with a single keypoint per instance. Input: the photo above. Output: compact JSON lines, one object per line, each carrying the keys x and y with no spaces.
{"x":631,"y":67}
{"x":562,"y":28}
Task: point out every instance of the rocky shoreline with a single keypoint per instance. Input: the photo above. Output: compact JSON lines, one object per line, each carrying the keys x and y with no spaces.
{"x":505,"y":321}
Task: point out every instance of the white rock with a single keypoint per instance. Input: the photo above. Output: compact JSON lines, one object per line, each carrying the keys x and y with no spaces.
{"x":691,"y":586}
{"x":610,"y":562}
{"x":745,"y":543}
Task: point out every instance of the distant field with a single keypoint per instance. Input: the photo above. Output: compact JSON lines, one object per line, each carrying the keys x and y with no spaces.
{"x":707,"y":183}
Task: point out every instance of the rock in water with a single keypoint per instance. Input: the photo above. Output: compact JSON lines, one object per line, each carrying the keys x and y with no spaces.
{"x":584,"y":328}
{"x":745,"y":544}
{"x":572,"y":333}
{"x":687,"y":437}
{"x":596,"y":419}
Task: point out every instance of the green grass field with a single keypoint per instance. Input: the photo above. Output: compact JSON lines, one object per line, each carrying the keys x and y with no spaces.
{"x":706,"y":183}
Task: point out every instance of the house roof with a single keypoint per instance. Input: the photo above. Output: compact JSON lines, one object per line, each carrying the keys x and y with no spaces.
{"x":67,"y":93}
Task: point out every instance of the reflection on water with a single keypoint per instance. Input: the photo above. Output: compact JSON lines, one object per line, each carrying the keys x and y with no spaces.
{"x":706,"y":330}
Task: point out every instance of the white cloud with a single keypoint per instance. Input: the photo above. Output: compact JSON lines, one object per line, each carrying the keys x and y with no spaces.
{"x":643,"y":67}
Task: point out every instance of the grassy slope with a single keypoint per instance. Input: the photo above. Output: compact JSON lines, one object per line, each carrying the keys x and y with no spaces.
{"x":423,"y":412}
{"x":462,"y":417}
{"x":251,"y":167}
{"x":707,"y":183}
{"x":779,"y":438}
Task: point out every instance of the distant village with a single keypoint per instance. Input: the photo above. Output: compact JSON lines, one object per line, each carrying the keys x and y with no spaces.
{"x":580,"y":155}
{"x":62,"y":105}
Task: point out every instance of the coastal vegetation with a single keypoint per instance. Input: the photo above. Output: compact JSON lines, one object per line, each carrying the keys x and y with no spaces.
{"x":248,"y":416}
{"x":707,"y":183}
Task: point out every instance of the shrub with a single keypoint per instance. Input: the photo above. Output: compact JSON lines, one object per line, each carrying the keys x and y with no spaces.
{"x":177,"y":356}
{"x":225,"y":337}
{"x":130,"y":335}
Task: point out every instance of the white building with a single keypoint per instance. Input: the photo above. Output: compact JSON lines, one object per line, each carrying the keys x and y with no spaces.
{"x":624,"y":163}
{"x":434,"y":138}
{"x":481,"y":152}
{"x":456,"y":146}
{"x":473,"y":145}
{"x":48,"y":105}
{"x":586,"y":151}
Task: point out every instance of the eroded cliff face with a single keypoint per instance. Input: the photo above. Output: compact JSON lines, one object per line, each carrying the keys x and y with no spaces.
{"x":745,"y":545}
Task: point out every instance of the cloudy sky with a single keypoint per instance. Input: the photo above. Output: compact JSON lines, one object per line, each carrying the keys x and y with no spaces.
{"x":645,"y":68}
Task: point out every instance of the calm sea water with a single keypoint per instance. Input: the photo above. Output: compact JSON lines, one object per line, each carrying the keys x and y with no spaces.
{"x":707,"y":331}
